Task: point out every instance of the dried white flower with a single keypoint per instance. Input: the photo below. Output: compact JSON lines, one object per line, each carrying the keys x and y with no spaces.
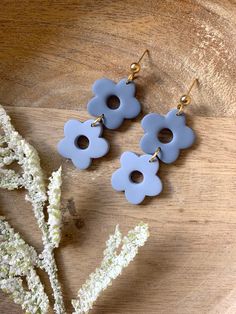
{"x":31,"y":178}
{"x":111,"y":266}
{"x":54,"y":211}
{"x":9,"y":179}
{"x":18,"y":260}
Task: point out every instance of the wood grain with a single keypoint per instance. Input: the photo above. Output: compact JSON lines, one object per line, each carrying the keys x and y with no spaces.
{"x":50,"y":54}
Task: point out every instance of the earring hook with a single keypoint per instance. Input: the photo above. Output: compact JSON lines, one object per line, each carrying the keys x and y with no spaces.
{"x":185,"y":99}
{"x":135,"y":67}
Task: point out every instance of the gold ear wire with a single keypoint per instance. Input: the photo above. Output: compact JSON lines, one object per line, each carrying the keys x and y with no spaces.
{"x":135,"y":67}
{"x":185,"y":99}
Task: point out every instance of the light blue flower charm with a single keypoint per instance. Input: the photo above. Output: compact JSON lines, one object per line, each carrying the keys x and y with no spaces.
{"x":70,"y":147}
{"x":128,"y":107}
{"x":121,"y":179}
{"x":182,"y":135}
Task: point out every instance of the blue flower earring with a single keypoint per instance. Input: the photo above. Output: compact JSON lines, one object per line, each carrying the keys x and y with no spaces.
{"x":111,"y":104}
{"x":164,"y":137}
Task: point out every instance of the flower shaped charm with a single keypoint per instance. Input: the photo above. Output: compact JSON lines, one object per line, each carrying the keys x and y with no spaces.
{"x":69,"y":146}
{"x":183,"y":136}
{"x":128,"y":107}
{"x":122,"y":178}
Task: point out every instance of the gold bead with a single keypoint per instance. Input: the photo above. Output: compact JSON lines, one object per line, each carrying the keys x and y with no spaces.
{"x":185,"y":100}
{"x":135,"y":67}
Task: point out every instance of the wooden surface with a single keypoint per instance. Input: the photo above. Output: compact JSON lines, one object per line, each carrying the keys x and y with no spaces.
{"x":50,"y":54}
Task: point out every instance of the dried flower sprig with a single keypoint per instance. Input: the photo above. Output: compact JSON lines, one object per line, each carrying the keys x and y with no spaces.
{"x":31,"y":179}
{"x":18,"y":260}
{"x":111,"y":266}
{"x":53,"y":209}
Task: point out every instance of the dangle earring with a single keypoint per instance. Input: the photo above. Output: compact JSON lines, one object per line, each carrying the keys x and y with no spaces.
{"x":146,"y":166}
{"x":111,"y":104}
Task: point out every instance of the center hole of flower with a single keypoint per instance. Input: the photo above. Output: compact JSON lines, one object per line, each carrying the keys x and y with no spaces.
{"x":113,"y":102}
{"x":136,"y":176}
{"x":165,"y":136}
{"x":82,"y":142}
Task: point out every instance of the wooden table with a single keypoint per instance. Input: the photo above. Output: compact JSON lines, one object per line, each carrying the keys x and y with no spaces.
{"x":51,"y":52}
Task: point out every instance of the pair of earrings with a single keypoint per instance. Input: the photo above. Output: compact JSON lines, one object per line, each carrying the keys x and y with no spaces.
{"x":83,"y":141}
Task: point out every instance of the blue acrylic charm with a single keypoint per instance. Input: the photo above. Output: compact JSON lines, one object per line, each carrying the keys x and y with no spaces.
{"x":121,"y":179}
{"x":69,"y":147}
{"x":183,"y":136}
{"x":129,"y":107}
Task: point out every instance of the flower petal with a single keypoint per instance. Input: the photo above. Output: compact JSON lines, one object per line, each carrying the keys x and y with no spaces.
{"x":147,"y":167}
{"x":153,"y":122}
{"x":91,"y":131}
{"x":64,"y":148}
{"x":133,"y":196}
{"x":98,"y":147}
{"x":169,"y":153}
{"x":72,"y":128}
{"x":81,"y":161}
{"x":185,"y":138}
{"x":152,"y":185}
{"x":97,"y":106}
{"x":131,"y":107}
{"x":104,"y":87}
{"x":149,"y":143}
{"x":113,"y":119}
{"x":128,"y":160}
{"x":120,"y":180}
{"x":173,"y":120}
{"x":125,"y":89}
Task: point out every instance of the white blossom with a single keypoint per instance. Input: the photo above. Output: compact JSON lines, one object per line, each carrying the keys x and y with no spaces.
{"x":18,"y":260}
{"x":31,"y":178}
{"x":111,"y":266}
{"x":9,"y":179}
{"x":54,"y":211}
